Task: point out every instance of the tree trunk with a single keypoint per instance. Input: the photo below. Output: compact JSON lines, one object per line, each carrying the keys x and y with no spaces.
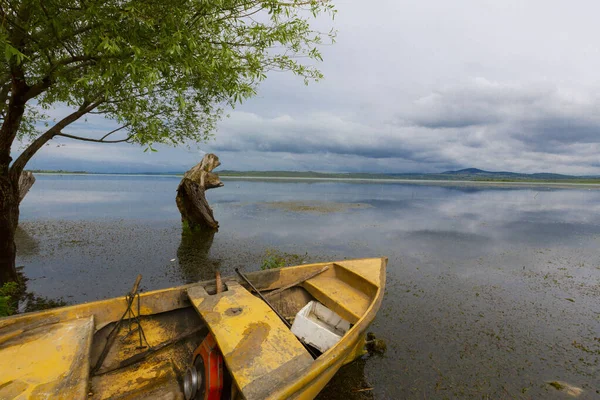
{"x":9,"y":218}
{"x":191,"y":200}
{"x":193,"y":206}
{"x":26,"y":181}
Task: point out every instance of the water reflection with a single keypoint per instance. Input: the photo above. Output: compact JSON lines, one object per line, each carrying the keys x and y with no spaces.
{"x":28,"y":245}
{"x":349,"y":383}
{"x":193,"y":256}
{"x":488,"y":287}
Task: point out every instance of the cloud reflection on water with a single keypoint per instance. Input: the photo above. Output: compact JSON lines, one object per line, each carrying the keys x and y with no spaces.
{"x":477,"y":276}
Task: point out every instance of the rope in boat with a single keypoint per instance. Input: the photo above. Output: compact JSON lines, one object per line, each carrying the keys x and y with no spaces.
{"x":129,"y":298}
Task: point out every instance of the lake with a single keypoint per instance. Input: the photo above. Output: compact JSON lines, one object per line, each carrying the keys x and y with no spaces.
{"x":492,"y":291}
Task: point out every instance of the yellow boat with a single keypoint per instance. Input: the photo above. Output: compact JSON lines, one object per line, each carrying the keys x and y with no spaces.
{"x":193,"y":341}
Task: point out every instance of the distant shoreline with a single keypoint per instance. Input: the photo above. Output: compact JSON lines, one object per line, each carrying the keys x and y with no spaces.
{"x":424,"y":181}
{"x":437,"y":182}
{"x":102,"y":174}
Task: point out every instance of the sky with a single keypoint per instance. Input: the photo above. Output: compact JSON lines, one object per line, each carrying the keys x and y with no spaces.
{"x":410,"y":86}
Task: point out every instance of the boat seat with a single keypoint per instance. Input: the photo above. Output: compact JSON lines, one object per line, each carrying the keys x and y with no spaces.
{"x":59,"y":367}
{"x":258,"y":349}
{"x":343,"y":299}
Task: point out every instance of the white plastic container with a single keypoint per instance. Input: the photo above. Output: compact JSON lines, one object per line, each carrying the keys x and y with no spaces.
{"x":318,"y":326}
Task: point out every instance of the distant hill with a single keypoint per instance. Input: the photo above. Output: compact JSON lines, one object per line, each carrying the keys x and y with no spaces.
{"x":467,"y":174}
{"x":475,"y":172}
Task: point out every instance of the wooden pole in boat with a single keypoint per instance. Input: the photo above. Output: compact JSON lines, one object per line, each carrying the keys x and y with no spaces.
{"x":299,"y":281}
{"x":262,"y":297}
{"x":310,"y":350}
{"x":218,"y":281}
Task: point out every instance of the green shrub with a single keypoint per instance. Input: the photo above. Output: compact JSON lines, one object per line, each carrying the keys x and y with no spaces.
{"x":5,"y":308}
{"x":12,"y":292}
{"x":9,"y":297}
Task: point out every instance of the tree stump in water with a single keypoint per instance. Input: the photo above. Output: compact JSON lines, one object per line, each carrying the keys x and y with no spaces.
{"x":191,"y":200}
{"x":26,"y":181}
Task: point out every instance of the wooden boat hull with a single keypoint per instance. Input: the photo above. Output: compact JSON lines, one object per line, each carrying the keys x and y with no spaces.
{"x":75,"y":335}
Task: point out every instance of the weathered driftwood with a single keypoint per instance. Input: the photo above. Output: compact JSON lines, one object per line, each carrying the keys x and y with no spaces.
{"x":191,"y":199}
{"x":26,"y":181}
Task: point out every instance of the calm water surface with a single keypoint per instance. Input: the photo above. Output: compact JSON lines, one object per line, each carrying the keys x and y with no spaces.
{"x":491,"y":291}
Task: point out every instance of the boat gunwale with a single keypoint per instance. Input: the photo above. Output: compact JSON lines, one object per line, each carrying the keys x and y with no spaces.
{"x":90,"y":308}
{"x":64,"y":312}
{"x":343,"y":348}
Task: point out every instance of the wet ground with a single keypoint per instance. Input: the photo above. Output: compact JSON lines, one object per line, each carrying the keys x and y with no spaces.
{"x":492,"y":292}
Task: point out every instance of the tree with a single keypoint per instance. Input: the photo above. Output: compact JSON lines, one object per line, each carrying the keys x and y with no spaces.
{"x":164,"y":70}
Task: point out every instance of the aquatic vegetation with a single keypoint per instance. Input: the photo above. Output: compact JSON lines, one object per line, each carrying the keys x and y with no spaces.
{"x":556,"y":385}
{"x":317,"y":207}
{"x":571,"y":390}
{"x":276,"y":259}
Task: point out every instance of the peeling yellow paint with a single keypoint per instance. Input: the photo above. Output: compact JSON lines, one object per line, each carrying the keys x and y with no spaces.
{"x":48,"y":362}
{"x":253,"y":340}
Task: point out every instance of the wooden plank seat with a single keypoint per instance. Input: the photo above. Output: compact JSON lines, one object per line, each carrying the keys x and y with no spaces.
{"x":58,"y":366}
{"x":258,"y":349}
{"x":340,"y":297}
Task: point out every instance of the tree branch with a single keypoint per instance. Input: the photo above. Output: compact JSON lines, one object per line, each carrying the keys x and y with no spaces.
{"x":46,"y":81}
{"x":133,"y":96}
{"x":18,"y":166}
{"x":4,"y":91}
{"x":38,"y":88}
{"x":73,"y":34}
{"x":71,"y":60}
{"x":102,"y":140}
{"x":113,"y":131}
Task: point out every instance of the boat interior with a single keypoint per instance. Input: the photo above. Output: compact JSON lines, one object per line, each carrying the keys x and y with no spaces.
{"x":142,"y":346}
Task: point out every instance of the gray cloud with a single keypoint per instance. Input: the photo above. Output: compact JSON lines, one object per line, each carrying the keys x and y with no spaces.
{"x":415,"y":86}
{"x":479,"y":122}
{"x":531,"y":112}
{"x":313,"y":133}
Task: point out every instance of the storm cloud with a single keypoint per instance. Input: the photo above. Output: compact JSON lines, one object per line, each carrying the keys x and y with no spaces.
{"x":481,"y":123}
{"x":414,"y":86}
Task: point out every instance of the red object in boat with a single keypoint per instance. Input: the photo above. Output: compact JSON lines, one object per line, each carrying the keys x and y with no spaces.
{"x":208,"y":361}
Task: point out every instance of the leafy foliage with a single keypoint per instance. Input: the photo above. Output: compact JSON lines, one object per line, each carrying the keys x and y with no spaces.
{"x":9,"y":295}
{"x":13,"y":292}
{"x":164,"y":70}
{"x":5,"y":308}
{"x":277,"y":259}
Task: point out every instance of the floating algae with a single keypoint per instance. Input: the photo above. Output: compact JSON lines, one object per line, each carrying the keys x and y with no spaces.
{"x":318,"y":207}
{"x":571,"y":390}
